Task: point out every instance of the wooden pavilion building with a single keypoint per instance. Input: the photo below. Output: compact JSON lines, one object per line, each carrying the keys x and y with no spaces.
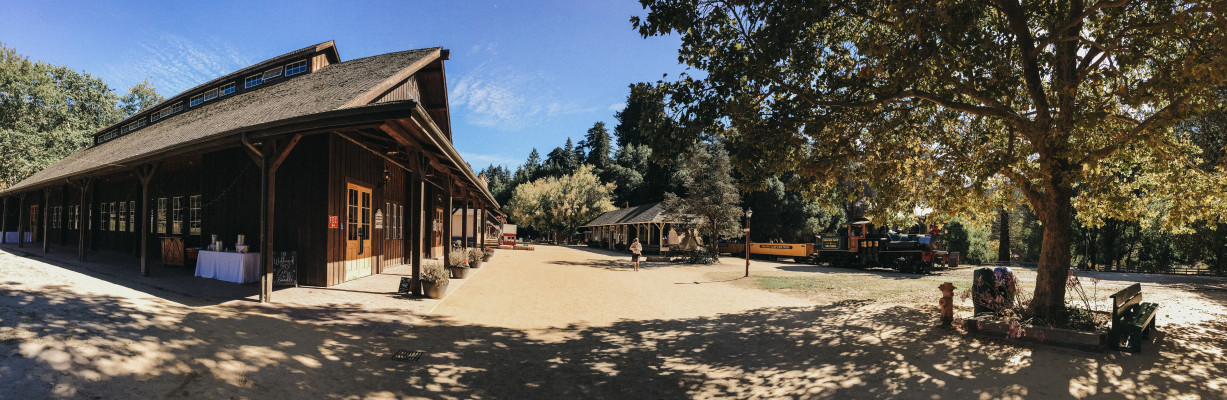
{"x":349,"y":165}
{"x":648,"y":223}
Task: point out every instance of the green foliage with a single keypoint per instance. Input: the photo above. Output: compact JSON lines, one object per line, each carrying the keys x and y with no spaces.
{"x":139,"y":98}
{"x":971,"y":241}
{"x":711,"y":198}
{"x":475,"y":255}
{"x":560,"y":205}
{"x":788,"y":215}
{"x":696,"y":256}
{"x":597,"y":143}
{"x":46,"y":113}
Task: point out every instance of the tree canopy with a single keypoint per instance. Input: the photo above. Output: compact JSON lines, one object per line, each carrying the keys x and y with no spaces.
{"x":711,"y":199}
{"x":560,"y":204}
{"x":48,"y":112}
{"x":937,"y":103}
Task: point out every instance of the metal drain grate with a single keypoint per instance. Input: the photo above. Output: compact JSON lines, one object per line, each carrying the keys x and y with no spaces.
{"x":408,"y":356}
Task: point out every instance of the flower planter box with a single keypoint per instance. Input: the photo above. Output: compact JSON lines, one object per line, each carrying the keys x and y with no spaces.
{"x":1040,"y":334}
{"x":657,"y":259}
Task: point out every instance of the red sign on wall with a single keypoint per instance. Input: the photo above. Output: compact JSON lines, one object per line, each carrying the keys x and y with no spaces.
{"x":332,"y":222}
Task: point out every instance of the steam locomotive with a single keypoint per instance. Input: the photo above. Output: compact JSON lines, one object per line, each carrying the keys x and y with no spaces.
{"x":858,"y":244}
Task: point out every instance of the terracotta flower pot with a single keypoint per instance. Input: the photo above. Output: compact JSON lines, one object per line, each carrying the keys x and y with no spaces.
{"x":486,"y":258}
{"x":433,"y":290}
{"x":460,"y":272}
{"x":476,"y":264}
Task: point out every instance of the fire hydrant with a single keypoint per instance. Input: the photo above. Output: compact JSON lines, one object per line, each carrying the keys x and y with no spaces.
{"x":947,"y":303}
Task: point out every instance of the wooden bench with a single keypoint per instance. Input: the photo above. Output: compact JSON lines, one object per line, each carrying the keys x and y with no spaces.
{"x":1131,"y":319}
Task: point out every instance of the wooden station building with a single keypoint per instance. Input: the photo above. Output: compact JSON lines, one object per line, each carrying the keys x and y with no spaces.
{"x":348,"y":164}
{"x":656,"y":232}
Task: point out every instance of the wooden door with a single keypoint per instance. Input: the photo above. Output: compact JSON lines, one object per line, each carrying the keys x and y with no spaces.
{"x":358,"y":254}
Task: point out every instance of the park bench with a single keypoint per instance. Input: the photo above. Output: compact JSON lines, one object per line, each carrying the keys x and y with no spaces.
{"x":1131,"y":319}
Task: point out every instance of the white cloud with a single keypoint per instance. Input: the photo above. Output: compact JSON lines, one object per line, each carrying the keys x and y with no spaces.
{"x":615,"y":107}
{"x":507,"y":99}
{"x":174,"y":63}
{"x":479,"y":161}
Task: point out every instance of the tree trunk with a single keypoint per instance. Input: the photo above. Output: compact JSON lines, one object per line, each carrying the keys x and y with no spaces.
{"x":1003,"y":246}
{"x":1056,"y":215}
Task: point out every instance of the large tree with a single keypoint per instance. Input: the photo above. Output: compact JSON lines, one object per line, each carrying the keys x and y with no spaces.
{"x":560,"y":205}
{"x":933,"y":102}
{"x":597,"y":143}
{"x":710,"y":199}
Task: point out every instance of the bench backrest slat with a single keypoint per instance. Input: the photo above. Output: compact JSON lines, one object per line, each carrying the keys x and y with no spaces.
{"x":1125,"y":299}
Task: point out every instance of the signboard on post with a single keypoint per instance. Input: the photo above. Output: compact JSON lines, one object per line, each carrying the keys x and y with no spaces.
{"x":378,"y":219}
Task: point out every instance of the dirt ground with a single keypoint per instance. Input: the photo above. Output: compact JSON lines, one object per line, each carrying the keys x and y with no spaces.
{"x":564,"y":322}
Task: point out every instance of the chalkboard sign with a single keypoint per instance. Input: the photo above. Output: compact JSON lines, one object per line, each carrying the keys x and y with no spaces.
{"x":285,"y":268}
{"x":405,"y":283}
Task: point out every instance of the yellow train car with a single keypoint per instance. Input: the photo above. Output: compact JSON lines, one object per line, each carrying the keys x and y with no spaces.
{"x":795,"y":250}
{"x":731,"y":248}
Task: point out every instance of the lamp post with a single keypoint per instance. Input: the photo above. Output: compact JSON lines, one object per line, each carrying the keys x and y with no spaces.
{"x":749,"y":212}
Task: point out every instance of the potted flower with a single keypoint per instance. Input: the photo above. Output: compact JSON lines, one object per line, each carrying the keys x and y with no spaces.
{"x":434,"y":278}
{"x":459,"y":263}
{"x":487,"y":253}
{"x":475,"y":258}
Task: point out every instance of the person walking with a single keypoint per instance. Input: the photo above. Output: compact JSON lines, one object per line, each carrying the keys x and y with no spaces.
{"x":636,"y":248}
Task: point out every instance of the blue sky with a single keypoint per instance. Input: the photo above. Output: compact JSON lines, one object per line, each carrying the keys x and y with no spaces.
{"x":521,"y":74}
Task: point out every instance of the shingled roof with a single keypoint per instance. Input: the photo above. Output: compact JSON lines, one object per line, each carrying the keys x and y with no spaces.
{"x":654,"y":212}
{"x":334,"y":87}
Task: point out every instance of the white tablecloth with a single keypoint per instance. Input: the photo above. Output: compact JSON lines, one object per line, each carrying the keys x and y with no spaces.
{"x":228,"y":266}
{"x":11,"y":237}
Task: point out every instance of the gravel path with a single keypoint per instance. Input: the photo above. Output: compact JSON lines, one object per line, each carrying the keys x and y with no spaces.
{"x":564,"y":322}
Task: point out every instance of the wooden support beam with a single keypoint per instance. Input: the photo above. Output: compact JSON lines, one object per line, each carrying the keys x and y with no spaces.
{"x":269,"y":157}
{"x":417,"y":188}
{"x":21,"y":221}
{"x":46,"y":220}
{"x":464,"y":223}
{"x":447,"y":225}
{"x":82,"y":211}
{"x":4,"y":221}
{"x":375,"y":152}
{"x":145,"y":173}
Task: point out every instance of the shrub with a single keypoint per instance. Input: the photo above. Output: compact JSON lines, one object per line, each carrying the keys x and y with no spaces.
{"x":474,"y":255}
{"x":458,"y":258}
{"x":433,"y":272}
{"x":700,"y":256}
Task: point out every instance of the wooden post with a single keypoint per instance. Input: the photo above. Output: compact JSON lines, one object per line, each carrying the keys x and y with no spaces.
{"x":417,"y":233}
{"x":60,"y":211}
{"x":447,"y":225}
{"x":482,"y":225}
{"x":82,"y":211}
{"x":145,"y":174}
{"x":4,"y":221}
{"x":46,"y":220}
{"x":269,"y":158}
{"x":464,"y":224}
{"x":21,"y":221}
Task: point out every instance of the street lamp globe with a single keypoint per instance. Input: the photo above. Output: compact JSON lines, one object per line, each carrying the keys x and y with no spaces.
{"x":749,"y":213}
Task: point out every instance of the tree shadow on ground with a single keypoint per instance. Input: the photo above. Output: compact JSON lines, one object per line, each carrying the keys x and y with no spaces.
{"x":85,"y":345}
{"x":174,"y":283}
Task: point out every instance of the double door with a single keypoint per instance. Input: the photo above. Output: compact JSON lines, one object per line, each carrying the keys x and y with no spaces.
{"x":359,"y":259}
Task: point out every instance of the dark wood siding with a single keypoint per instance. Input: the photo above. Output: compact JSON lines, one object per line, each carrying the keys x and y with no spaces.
{"x":301,"y":219}
{"x":231,"y":202}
